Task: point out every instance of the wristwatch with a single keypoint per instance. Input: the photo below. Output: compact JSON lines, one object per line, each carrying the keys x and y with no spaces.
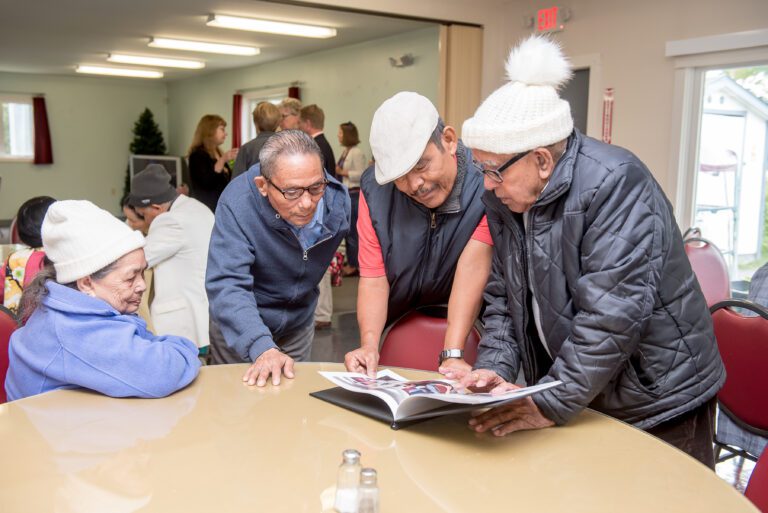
{"x":450,"y":353}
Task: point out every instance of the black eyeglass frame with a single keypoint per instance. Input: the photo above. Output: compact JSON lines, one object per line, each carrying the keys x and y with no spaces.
{"x":300,"y":190}
{"x":495,"y":174}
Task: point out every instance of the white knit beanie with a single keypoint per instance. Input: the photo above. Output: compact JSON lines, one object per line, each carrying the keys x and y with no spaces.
{"x":80,"y":238}
{"x":526,"y":112}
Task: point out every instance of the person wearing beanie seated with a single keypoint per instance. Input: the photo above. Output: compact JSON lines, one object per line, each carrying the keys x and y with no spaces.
{"x":177,"y":252}
{"x":423,"y":236}
{"x":590,"y":283}
{"x":82,"y":331}
{"x":22,"y":265}
{"x":277,"y":228}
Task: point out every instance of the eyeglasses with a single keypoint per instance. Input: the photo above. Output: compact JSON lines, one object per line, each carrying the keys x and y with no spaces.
{"x":495,"y":174}
{"x":294,"y":193}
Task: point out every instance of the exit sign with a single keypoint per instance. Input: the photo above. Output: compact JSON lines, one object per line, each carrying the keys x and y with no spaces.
{"x":551,"y":19}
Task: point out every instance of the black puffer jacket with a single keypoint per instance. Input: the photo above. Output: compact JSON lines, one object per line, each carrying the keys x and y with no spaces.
{"x":621,"y":310}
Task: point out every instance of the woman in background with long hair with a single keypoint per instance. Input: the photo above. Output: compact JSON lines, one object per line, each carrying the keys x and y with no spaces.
{"x":209,"y":169}
{"x":350,"y":167}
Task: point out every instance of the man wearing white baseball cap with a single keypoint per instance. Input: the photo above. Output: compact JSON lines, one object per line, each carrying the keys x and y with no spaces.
{"x":590,"y":283}
{"x":422,"y":229}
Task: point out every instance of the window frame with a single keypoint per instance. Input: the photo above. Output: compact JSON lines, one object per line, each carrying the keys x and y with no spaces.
{"x":692,"y":59}
{"x":26,"y":99}
{"x":269,"y":94}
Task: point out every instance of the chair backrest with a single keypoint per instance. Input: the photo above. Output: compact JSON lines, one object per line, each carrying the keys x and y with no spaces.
{"x":710,"y":268}
{"x":692,"y":232}
{"x":416,"y":339}
{"x":757,"y":488}
{"x":7,"y":326}
{"x":743,"y":345}
{"x":15,"y":239}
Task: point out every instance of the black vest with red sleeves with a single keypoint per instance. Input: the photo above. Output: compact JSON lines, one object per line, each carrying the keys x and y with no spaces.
{"x":422,"y":246}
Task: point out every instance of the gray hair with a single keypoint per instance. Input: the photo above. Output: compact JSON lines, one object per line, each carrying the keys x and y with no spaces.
{"x":286,"y":142}
{"x":437,"y":135}
{"x":34,"y":293}
{"x":557,"y":149}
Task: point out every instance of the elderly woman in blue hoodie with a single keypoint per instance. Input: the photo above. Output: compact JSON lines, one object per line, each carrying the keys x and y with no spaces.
{"x":81,"y":327}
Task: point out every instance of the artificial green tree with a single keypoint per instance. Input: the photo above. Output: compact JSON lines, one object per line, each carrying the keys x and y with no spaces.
{"x":147,"y":140}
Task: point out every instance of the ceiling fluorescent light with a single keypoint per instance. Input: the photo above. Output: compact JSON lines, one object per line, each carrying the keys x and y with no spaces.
{"x":120,"y":72}
{"x":200,"y":46}
{"x":155,"y":61}
{"x":270,"y":27}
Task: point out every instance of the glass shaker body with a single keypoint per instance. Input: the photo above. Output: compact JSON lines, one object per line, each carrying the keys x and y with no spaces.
{"x":348,"y":482}
{"x":368,"y":492}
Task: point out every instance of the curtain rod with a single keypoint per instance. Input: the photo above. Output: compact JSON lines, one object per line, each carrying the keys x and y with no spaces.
{"x":22,"y":93}
{"x":295,"y":83}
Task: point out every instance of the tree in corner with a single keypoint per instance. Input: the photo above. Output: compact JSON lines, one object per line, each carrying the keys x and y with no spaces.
{"x":147,"y":140}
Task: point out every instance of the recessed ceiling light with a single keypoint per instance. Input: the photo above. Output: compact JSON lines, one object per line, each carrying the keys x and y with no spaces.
{"x":155,"y":61}
{"x":200,"y":46}
{"x":270,"y":27}
{"x":120,"y":72}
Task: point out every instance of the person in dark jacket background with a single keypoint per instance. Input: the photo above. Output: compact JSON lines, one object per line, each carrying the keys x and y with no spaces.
{"x":208,"y":165}
{"x":277,"y":227}
{"x":424,"y":239}
{"x":266,"y":118}
{"x":590,"y":283}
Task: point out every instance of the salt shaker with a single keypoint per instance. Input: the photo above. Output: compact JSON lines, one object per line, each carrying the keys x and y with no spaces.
{"x":368,"y":492}
{"x":348,"y":482}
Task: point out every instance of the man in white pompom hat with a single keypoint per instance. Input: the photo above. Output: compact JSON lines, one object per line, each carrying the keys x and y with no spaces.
{"x":590,"y":282}
{"x":423,"y":235}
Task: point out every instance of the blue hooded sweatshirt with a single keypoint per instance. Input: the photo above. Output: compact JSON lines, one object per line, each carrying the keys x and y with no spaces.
{"x":261,"y":282}
{"x":73,"y":340}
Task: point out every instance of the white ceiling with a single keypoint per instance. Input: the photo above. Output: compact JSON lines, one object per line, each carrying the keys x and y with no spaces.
{"x":53,"y":36}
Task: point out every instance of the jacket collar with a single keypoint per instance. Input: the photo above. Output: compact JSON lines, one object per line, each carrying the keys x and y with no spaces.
{"x":71,"y":301}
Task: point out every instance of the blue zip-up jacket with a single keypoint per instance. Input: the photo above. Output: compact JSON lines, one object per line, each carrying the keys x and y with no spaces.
{"x":73,"y":340}
{"x":261,"y":284}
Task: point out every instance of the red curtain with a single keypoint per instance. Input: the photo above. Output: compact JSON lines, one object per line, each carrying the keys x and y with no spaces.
{"x":293,"y":92}
{"x":237,"y":110}
{"x":43,"y":151}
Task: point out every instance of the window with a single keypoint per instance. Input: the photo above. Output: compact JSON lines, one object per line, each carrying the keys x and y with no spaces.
{"x":720,"y":145}
{"x":16,"y":128}
{"x":730,"y":171}
{"x":250,"y":100}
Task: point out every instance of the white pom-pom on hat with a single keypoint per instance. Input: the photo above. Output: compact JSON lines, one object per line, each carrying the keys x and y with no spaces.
{"x":526,"y":112}
{"x":538,"y":60}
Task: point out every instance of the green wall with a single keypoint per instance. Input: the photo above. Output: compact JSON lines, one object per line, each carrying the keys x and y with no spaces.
{"x":348,"y":83}
{"x":90,"y":121}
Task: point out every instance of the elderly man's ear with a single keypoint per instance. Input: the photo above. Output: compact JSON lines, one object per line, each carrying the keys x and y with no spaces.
{"x":450,"y":139}
{"x":261,"y":185}
{"x":544,"y":162}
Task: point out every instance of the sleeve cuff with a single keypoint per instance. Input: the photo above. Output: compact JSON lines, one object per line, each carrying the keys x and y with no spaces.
{"x":259,"y":346}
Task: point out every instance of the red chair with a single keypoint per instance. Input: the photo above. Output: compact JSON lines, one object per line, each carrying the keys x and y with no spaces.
{"x":710,"y":268}
{"x":15,"y":239}
{"x":743,"y":345}
{"x":7,"y":326}
{"x":416,"y":339}
{"x":757,"y":488}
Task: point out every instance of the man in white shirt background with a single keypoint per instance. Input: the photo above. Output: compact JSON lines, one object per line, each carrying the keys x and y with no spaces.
{"x":177,"y":251}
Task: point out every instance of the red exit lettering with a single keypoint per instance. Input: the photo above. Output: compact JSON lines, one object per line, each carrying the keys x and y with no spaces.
{"x":547,"y":19}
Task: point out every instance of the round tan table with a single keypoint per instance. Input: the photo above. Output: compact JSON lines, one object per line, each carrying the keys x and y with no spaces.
{"x":220,"y":446}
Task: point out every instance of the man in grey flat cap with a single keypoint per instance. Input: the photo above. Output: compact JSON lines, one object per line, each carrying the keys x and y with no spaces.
{"x":422,"y":230}
{"x":177,"y":251}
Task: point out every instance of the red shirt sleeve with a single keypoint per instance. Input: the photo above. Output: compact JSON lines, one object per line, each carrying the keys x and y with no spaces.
{"x":369,"y":254}
{"x":482,"y":232}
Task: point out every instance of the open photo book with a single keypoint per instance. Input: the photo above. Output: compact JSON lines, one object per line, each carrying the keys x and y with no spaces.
{"x":394,"y":399}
